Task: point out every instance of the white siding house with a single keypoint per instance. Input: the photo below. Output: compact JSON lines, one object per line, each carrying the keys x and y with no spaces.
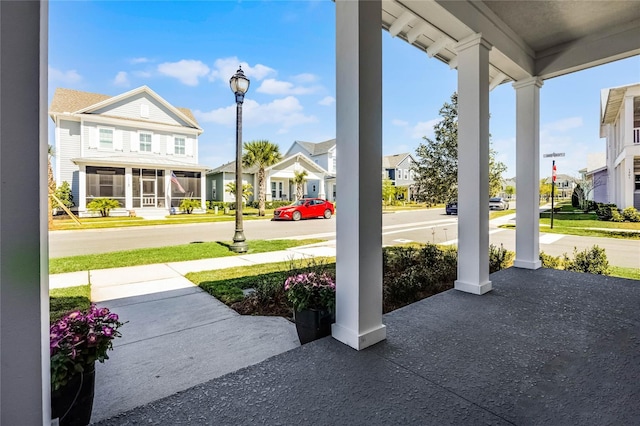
{"x":620,"y":126}
{"x":135,"y":148}
{"x":324,"y":155}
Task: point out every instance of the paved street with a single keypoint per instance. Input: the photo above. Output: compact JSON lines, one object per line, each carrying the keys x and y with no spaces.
{"x":420,"y":226}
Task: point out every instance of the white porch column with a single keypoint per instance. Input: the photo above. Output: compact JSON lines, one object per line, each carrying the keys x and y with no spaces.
{"x":321,"y":193}
{"x":359,"y":139}
{"x":268,"y":196}
{"x":628,"y":176}
{"x":82,"y":189}
{"x":473,"y":165}
{"x":167,"y":189}
{"x":128,"y":188}
{"x":24,"y":281}
{"x":203,"y":190}
{"x":528,"y":173}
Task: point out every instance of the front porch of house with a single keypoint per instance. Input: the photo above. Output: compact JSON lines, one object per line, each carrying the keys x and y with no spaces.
{"x":544,"y":347}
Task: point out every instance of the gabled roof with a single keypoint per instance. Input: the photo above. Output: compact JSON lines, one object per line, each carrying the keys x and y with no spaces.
{"x":230,"y":167}
{"x":316,"y":148}
{"x":392,"y":161}
{"x":76,"y":101}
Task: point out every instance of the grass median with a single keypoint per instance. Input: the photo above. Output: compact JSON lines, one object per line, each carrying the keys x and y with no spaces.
{"x":178,"y":253}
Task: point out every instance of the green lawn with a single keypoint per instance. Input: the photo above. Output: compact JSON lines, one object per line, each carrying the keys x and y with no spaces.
{"x":630,"y":273}
{"x":165,"y":254}
{"x":63,"y":300}
{"x":499,"y":213}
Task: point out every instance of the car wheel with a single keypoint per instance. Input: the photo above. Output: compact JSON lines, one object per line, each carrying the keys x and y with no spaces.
{"x":296,"y":216}
{"x":449,"y":213}
{"x":507,"y":208}
{"x":327,"y":214}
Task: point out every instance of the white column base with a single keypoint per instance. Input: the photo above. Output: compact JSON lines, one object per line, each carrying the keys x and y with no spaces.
{"x":527,"y":264}
{"x":358,"y":341}
{"x":472,"y":287}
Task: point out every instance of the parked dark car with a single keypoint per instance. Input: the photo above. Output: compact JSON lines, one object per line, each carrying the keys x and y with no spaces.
{"x":305,"y":208}
{"x":498,"y":203}
{"x":452,"y":207}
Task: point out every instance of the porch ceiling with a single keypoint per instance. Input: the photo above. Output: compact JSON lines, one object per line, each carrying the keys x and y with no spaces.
{"x":530,"y":38}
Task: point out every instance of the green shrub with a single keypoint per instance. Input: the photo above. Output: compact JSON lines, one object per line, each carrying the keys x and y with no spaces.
{"x":591,"y":261}
{"x":591,"y":206}
{"x":604,"y":211}
{"x":616,"y":216}
{"x":552,"y":262}
{"x":103,"y":205}
{"x":499,"y":258}
{"x":630,"y":214}
{"x":219,"y":204}
{"x":63,"y":193}
{"x":187,"y":205}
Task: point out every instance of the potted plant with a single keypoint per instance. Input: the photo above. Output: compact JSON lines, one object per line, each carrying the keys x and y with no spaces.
{"x":76,"y":342}
{"x":313,"y":296}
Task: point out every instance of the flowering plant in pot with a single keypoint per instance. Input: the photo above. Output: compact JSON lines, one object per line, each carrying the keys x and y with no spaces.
{"x":76,"y":342}
{"x":313,"y":296}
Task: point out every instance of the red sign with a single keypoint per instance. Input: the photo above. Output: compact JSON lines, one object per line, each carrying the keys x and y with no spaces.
{"x":554,"y":173}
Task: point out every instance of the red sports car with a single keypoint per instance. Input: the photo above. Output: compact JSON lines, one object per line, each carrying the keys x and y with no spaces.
{"x":305,"y":208}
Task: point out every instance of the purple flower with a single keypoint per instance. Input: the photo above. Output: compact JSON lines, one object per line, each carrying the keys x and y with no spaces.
{"x":107,"y":331}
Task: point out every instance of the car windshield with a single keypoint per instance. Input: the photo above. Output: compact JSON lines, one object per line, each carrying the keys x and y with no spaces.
{"x":495,"y":200}
{"x":299,"y":203}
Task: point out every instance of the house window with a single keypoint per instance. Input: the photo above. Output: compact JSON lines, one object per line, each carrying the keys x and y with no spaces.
{"x":280,"y":189}
{"x":179,"y":146}
{"x":406,"y":174}
{"x":334,"y":164}
{"x":273,"y":190}
{"x":398,"y":174}
{"x":145,"y":142}
{"x":411,"y":174}
{"x":106,"y":138}
{"x":637,"y":182}
{"x":105,"y":182}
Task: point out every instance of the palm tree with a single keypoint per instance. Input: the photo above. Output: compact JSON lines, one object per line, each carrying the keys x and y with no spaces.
{"x":263,"y":154}
{"x":299,"y":179}
{"x":246,"y":190}
{"x":51,"y":184}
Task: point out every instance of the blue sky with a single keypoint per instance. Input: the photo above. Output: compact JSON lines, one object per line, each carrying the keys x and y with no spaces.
{"x":187,"y":51}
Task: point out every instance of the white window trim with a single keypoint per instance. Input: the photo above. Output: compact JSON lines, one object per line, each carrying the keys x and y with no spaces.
{"x":113,"y":137}
{"x":185,"y":139}
{"x":145,"y":132}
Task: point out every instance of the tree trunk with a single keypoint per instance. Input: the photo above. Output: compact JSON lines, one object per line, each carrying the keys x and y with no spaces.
{"x":51,"y":188}
{"x":261,"y":192}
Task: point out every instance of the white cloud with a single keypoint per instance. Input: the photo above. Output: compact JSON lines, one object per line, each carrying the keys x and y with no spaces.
{"x":401,"y":123}
{"x":141,"y":60}
{"x":65,"y":77}
{"x":305,"y":78}
{"x":327,"y":101}
{"x":122,"y":79}
{"x":188,"y":71}
{"x":285,"y":112}
{"x":225,"y":68}
{"x":272,"y":86}
{"x":424,"y":128}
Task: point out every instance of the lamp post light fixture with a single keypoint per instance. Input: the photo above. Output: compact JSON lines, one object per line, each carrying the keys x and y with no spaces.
{"x":239,"y":86}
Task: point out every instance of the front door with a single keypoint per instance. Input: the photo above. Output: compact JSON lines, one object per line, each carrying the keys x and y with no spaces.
{"x":149,"y":195}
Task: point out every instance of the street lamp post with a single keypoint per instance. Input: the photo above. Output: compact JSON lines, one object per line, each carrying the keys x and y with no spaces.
{"x":239,"y":86}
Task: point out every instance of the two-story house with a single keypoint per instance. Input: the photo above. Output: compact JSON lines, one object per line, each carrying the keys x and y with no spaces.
{"x":399,"y":168}
{"x":135,"y":148}
{"x":620,"y":126}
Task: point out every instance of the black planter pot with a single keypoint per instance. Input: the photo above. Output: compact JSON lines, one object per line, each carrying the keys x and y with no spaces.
{"x":72,"y":403}
{"x":312,"y":324}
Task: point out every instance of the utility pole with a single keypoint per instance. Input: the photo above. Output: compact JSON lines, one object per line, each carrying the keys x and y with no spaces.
{"x":553,"y":178}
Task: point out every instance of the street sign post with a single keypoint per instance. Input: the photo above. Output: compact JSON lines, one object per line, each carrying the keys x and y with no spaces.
{"x":553,"y":178}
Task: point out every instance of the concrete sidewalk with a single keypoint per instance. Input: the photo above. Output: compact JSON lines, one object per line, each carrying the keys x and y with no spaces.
{"x":178,"y":336}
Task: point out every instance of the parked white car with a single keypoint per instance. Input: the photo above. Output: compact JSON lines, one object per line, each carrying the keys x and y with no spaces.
{"x":498,"y":203}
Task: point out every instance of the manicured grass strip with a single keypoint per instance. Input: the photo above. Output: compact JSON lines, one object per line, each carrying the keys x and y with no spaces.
{"x":499,"y":213}
{"x":165,"y":254}
{"x":64,"y":300}
{"x":583,"y":232}
{"x":630,"y":273}
{"x":227,"y":284}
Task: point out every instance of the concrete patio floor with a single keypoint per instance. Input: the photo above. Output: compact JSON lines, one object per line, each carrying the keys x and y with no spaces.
{"x":545,"y":347}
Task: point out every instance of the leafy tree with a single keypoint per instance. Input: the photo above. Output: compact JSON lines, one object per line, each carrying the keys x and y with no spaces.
{"x":246,"y":190}
{"x":388,"y":191}
{"x":51,"y":183}
{"x":63,"y":193}
{"x":545,"y":189}
{"x":436,"y":165}
{"x":188,"y":204}
{"x":510,"y":191}
{"x":103,"y":205}
{"x":299,"y":179}
{"x":263,"y":154}
{"x":584,"y":188}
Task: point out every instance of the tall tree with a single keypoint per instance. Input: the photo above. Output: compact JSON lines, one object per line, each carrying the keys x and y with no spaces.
{"x":263,"y":154}
{"x":51,"y":184}
{"x":299,"y":178}
{"x":246,"y":190}
{"x":436,"y":163}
